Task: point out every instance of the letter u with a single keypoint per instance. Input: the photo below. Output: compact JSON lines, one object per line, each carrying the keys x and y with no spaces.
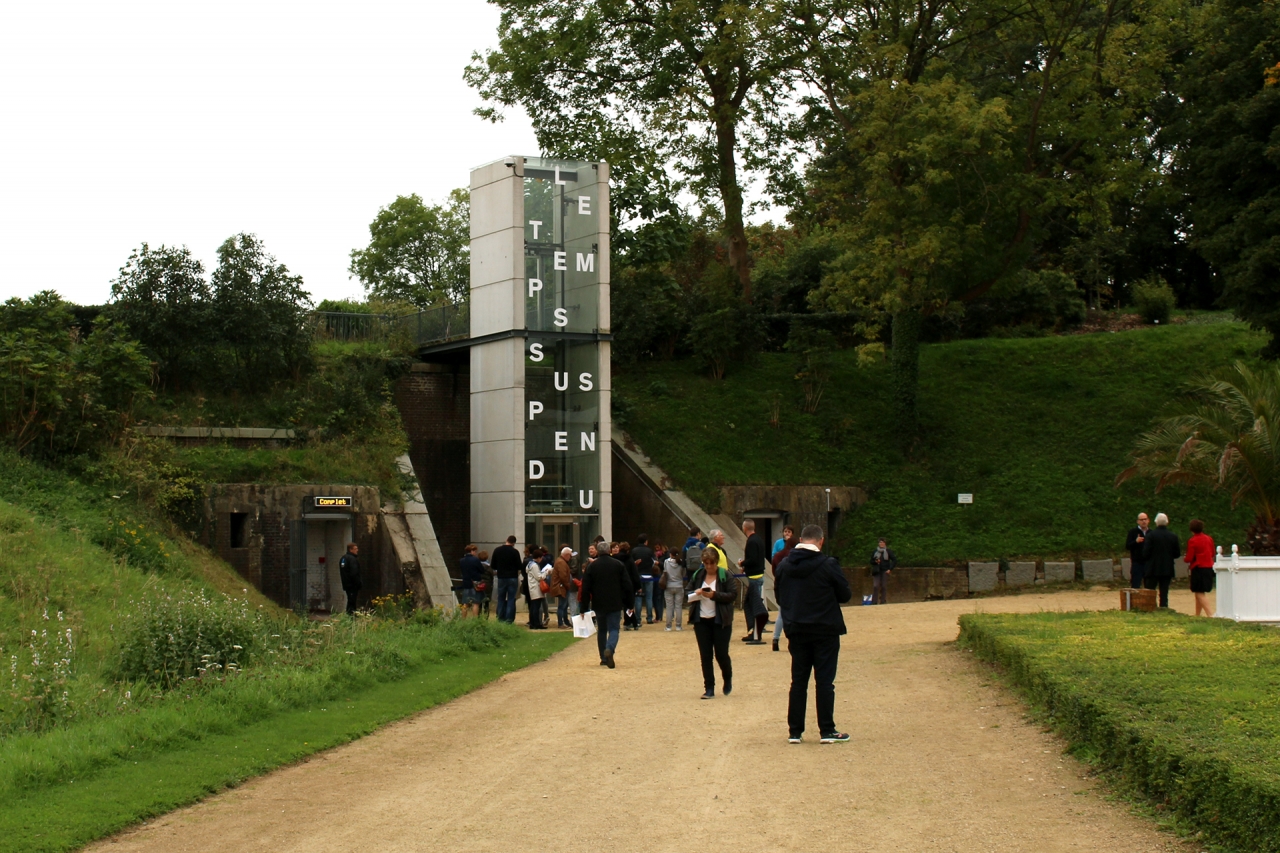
{"x":586,"y":499}
{"x":562,"y":381}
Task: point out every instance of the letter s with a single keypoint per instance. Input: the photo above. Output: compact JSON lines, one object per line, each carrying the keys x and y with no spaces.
{"x":562,"y":317}
{"x":584,"y":382}
{"x":535,"y":352}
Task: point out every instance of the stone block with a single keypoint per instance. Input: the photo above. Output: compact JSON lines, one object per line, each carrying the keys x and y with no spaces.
{"x":1126,"y":568}
{"x":983,"y":576}
{"x":1059,"y":572}
{"x":1098,"y":571}
{"x":1020,"y":574}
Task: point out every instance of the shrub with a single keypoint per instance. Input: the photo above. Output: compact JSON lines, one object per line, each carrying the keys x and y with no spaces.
{"x":1154,"y":300}
{"x":141,"y":548}
{"x":175,"y":637}
{"x":39,"y":678}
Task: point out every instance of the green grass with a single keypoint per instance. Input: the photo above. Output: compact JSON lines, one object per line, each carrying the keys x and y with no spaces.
{"x":1186,"y":710}
{"x":365,"y":462}
{"x":1037,"y":429}
{"x":144,"y":783}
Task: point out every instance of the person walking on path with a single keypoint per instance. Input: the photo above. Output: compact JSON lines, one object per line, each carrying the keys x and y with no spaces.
{"x":883,"y":562}
{"x":770,"y":597}
{"x":642,"y":556}
{"x":506,"y":564}
{"x":1160,"y":550}
{"x":349,"y":573}
{"x":672,"y":584}
{"x":752,"y":563}
{"x":606,"y":589}
{"x":788,"y":545}
{"x":811,"y":588}
{"x":1133,"y":544}
{"x":1200,"y":558}
{"x":560,"y":583}
{"x":715,"y":589}
{"x":472,"y":571}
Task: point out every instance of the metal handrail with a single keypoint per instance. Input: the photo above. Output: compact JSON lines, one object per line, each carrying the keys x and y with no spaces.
{"x":440,"y":324}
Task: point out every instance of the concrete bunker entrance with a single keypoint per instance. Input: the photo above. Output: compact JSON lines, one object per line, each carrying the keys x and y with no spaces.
{"x":326,"y":537}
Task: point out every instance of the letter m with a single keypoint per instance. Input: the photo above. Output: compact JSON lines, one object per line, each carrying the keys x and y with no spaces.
{"x":586,"y":263}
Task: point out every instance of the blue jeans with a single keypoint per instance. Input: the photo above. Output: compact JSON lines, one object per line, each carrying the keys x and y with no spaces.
{"x":562,"y":611}
{"x":505,"y":591}
{"x":607,"y":628}
{"x":648,"y":601}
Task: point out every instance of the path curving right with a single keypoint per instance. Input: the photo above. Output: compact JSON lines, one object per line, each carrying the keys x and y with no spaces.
{"x":568,"y":755}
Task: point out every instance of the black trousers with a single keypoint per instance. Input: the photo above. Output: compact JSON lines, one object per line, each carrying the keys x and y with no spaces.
{"x":1159,"y":583}
{"x":1136,"y":573}
{"x":351,"y":600}
{"x":713,"y":639}
{"x":535,"y":612}
{"x":819,"y":654}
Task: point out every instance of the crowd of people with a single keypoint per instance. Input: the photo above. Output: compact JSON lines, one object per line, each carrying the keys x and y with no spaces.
{"x":1154,"y":553}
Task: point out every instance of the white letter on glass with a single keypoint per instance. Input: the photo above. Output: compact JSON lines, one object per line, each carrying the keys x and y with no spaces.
{"x":562,"y":378}
{"x":584,"y":382}
{"x":586,"y":263}
{"x":558,"y":181}
{"x":535,"y":352}
{"x":562,"y":441}
{"x":535,"y":469}
{"x":535,"y":408}
{"x":535,"y":223}
{"x":562,"y":316}
{"x":586,"y":499}
{"x":560,"y":260}
{"x":535,"y":284}
{"x":588,"y":441}
{"x":584,"y":205}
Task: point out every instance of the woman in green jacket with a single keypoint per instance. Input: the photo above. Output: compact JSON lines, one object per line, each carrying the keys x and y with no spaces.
{"x":711,"y":613}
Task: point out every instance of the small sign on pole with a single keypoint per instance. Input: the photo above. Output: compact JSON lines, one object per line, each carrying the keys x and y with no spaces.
{"x":965,"y":498}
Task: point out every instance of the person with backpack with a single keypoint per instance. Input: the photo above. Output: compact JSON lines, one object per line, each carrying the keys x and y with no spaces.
{"x":672,"y":584}
{"x":349,"y":572}
{"x":715,"y":590}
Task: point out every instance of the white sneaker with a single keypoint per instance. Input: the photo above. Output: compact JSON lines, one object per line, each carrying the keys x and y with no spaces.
{"x":679,"y":628}
{"x":668,"y":629}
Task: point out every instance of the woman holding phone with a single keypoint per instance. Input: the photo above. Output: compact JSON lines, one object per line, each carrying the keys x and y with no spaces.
{"x":711,"y":613}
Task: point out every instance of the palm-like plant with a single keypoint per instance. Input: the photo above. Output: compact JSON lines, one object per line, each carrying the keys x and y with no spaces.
{"x":1226,"y":433}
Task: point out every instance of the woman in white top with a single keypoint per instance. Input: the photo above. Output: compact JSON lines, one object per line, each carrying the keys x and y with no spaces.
{"x":534,"y":574}
{"x":711,"y":613}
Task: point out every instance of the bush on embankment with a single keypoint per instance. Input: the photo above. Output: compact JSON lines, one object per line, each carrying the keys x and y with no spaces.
{"x":1187,"y":710}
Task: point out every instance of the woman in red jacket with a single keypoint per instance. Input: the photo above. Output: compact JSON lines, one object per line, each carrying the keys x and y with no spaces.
{"x":1200,"y":557}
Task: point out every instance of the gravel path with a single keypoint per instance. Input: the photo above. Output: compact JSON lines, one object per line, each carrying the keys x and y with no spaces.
{"x":567,"y":755}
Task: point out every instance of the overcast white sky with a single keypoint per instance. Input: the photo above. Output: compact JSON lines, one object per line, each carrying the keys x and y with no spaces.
{"x":186,"y":122}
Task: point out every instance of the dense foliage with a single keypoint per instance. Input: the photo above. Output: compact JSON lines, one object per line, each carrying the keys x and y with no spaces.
{"x":1185,"y":710}
{"x":417,"y":253}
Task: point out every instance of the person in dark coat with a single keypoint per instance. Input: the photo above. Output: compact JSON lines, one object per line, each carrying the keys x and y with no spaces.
{"x":1134,"y":543}
{"x":754,"y":554}
{"x":349,"y":572}
{"x":472,"y":571}
{"x":506,"y":563}
{"x":1161,"y":551}
{"x":883,"y":561}
{"x":711,"y":614}
{"x":810,"y":588}
{"x":607,"y":589}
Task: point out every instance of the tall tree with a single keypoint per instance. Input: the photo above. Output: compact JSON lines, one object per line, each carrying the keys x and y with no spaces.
{"x":162,"y":297}
{"x":417,"y":253}
{"x":261,"y":312}
{"x":1228,"y":159}
{"x":952,"y":133}
{"x":686,"y":84}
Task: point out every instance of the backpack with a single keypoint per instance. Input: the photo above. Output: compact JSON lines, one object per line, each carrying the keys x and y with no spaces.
{"x":692,"y":560}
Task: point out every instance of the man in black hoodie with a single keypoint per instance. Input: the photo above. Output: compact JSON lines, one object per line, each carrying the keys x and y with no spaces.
{"x":606,"y":589}
{"x":810,"y":588}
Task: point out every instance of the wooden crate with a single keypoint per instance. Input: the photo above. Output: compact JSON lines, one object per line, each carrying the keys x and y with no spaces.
{"x":1138,"y":599}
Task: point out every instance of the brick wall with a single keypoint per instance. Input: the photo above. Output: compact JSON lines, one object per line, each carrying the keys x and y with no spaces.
{"x":435,"y":406}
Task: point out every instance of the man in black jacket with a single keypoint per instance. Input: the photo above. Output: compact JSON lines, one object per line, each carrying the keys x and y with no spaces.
{"x":1137,"y":557}
{"x":752,"y":563}
{"x":811,"y":587}
{"x":607,"y":589}
{"x":506,"y":563}
{"x":1161,"y":552}
{"x":349,"y":572}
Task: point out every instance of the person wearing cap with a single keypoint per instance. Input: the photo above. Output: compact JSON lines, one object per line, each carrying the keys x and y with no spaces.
{"x":558,"y":585}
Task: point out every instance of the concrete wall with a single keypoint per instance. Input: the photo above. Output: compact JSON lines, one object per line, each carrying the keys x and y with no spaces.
{"x":435,"y":406}
{"x":265,"y":558}
{"x":800,"y":505}
{"x":638,"y":509}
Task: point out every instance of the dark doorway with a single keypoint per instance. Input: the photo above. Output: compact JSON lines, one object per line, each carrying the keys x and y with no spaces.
{"x":239,"y":530}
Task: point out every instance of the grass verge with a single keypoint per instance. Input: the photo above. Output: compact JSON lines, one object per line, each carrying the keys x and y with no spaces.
{"x":1186,"y":710}
{"x":124,"y":791}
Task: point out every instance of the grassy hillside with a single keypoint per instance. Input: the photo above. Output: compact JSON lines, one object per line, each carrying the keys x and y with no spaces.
{"x":1037,"y":429}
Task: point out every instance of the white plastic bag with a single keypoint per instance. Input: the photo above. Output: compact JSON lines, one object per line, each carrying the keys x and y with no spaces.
{"x":584,"y":624}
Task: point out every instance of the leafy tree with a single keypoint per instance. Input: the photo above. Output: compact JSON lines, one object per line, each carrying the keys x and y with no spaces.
{"x":417,"y":253}
{"x":1227,"y":435}
{"x":651,"y":85}
{"x":162,"y":297}
{"x":1228,"y":157}
{"x":261,"y":313}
